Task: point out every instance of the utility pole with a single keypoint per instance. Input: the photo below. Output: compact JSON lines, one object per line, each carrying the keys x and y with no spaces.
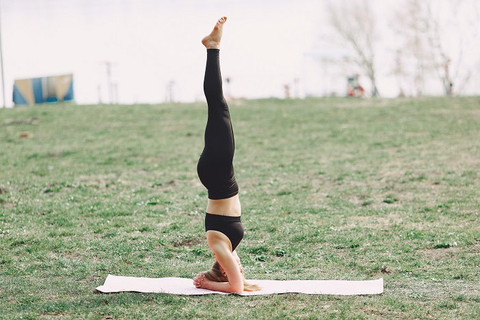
{"x":110,"y":85}
{"x":108,"y":64}
{"x":169,"y":91}
{"x":1,"y":60}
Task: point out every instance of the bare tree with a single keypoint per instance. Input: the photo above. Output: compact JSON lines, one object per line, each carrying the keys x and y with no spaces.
{"x":399,"y":72}
{"x":409,"y":29}
{"x":428,"y":38}
{"x":441,"y":60}
{"x":355,"y":23}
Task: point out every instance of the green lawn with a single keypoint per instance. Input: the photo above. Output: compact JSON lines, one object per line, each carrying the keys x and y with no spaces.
{"x":331,"y":189}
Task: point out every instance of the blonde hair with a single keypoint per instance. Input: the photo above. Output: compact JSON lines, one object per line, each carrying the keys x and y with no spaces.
{"x":215,"y":274}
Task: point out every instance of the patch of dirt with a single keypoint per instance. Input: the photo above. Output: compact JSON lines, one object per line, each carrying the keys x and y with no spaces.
{"x":54,"y":154}
{"x":440,"y":253}
{"x":378,"y":201}
{"x":368,"y":310}
{"x":100,"y":181}
{"x":22,"y":121}
{"x":474,"y":112}
{"x":375,"y":221}
{"x":132,"y":183}
{"x":92,"y":279}
{"x":164,"y":224}
{"x":187,"y":242}
{"x":431,"y":289}
{"x":8,"y":204}
{"x":65,"y":255}
{"x":25,"y":135}
{"x":196,"y":182}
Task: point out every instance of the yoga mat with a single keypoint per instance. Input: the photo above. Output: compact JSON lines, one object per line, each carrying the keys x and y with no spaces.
{"x":184,"y":286}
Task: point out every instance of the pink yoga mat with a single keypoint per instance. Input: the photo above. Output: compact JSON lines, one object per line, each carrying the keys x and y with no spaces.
{"x":184,"y":286}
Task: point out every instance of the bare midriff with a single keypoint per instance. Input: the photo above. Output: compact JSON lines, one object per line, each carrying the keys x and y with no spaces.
{"x":225,"y":207}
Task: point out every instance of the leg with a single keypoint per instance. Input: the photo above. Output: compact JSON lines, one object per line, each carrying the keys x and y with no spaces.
{"x":219,"y":138}
{"x":215,"y":167}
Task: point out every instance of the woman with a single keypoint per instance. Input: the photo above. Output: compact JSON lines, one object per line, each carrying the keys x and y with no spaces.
{"x":222,"y":222}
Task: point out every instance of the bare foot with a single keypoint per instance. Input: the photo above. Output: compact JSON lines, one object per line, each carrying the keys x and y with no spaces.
{"x":212,"y":41}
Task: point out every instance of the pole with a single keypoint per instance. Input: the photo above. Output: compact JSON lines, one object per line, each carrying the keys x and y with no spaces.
{"x":1,"y":60}
{"x":108,"y":64}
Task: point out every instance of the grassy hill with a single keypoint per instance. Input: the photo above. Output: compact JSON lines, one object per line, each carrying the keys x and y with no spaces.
{"x":330,"y":189}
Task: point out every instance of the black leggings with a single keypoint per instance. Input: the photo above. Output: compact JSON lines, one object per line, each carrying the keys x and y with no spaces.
{"x":215,"y":167}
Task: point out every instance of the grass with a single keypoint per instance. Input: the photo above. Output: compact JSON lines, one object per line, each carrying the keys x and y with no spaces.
{"x":330,"y":188}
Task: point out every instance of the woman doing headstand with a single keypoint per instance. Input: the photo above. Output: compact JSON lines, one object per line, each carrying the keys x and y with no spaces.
{"x":223,"y":226}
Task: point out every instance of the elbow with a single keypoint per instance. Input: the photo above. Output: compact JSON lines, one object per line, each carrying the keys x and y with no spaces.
{"x":238,"y":289}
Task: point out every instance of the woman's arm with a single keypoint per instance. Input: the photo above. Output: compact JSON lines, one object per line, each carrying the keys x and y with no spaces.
{"x":200,"y":281}
{"x":230,"y":265}
{"x":221,"y":247}
{"x":217,"y":286}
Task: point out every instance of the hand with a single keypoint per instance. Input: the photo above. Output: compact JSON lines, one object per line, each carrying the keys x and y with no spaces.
{"x":200,"y":281}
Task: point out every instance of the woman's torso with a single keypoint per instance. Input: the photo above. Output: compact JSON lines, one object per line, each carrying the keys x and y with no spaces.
{"x":225,"y":207}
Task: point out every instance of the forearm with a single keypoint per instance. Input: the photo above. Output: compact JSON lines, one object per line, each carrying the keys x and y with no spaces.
{"x":222,"y":286}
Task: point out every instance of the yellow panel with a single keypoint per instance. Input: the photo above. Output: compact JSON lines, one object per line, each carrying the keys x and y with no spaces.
{"x":62,"y":85}
{"x":25,"y":88}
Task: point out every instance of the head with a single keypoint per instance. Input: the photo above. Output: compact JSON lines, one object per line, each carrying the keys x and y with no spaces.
{"x":217,"y":274}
